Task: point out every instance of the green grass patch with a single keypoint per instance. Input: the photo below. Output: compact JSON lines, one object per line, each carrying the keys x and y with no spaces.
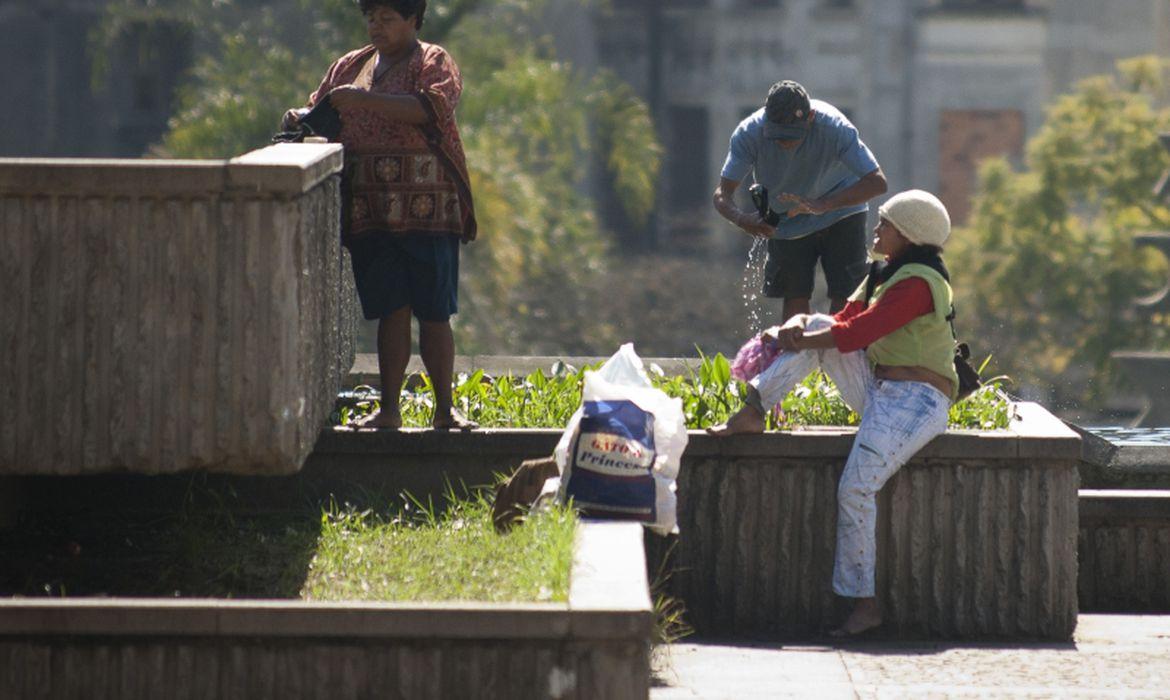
{"x":212,"y":545}
{"x":709,"y":397}
{"x":421,"y":555}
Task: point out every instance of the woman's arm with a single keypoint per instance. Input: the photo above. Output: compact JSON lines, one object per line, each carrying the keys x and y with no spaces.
{"x":901,"y":304}
{"x":403,"y":108}
{"x":792,"y":335}
{"x":797,"y":338}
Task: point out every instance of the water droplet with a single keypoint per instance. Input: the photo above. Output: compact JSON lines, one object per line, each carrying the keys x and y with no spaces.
{"x":758,"y":316}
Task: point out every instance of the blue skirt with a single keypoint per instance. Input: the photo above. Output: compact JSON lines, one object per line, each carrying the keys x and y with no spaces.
{"x":416,"y":270}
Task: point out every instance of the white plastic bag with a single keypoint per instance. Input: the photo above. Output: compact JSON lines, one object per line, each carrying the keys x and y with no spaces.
{"x":620,"y":453}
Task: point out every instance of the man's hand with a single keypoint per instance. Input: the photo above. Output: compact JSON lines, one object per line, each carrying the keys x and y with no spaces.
{"x":348,"y":97}
{"x":748,"y":222}
{"x":755,"y":226}
{"x":860,"y":192}
{"x":803,"y":205}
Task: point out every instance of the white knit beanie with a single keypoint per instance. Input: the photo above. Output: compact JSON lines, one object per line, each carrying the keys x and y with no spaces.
{"x":919,"y":216}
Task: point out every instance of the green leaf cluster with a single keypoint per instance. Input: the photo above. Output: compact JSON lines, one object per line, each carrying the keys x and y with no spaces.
{"x":1046,"y":270}
{"x":709,"y":396}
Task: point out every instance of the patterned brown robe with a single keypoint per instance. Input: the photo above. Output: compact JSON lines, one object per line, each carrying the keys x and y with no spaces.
{"x":404,"y":178}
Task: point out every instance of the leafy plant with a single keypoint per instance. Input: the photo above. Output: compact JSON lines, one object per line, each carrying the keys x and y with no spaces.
{"x":987,"y":408}
{"x":709,"y":397}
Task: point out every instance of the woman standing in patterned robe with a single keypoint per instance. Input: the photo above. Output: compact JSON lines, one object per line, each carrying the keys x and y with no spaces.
{"x":406,"y":196}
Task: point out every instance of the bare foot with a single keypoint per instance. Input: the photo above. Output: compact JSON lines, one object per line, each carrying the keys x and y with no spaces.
{"x":378,"y":420}
{"x":453,"y":420}
{"x":747,"y":420}
{"x":866,"y":616}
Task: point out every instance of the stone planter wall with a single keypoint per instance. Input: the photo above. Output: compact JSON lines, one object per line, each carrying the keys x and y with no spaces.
{"x":1124,"y":551}
{"x":595,"y":646}
{"x":170,"y":315}
{"x":977,"y":535}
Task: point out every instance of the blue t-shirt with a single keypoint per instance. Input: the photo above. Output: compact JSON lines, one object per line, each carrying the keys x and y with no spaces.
{"x":831,"y":158}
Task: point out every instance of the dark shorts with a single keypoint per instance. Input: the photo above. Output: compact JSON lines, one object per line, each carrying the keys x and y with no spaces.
{"x":791,"y":265}
{"x":421,"y":272}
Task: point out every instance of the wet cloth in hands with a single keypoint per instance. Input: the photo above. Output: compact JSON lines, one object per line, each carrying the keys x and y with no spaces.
{"x":753,"y":358}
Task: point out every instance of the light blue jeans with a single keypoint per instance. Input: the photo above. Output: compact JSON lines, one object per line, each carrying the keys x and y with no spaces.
{"x":897,"y":420}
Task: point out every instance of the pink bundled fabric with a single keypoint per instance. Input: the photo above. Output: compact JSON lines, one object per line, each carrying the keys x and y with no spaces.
{"x":755,"y":355}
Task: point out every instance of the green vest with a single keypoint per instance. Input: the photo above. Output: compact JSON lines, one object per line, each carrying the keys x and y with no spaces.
{"x":924,"y":342}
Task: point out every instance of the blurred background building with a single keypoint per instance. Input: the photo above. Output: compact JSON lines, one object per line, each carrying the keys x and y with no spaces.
{"x":933,"y":85}
{"x":68,"y":95}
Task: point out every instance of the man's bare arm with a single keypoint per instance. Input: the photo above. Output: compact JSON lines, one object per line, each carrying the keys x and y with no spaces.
{"x":749,"y":222}
{"x":860,"y":192}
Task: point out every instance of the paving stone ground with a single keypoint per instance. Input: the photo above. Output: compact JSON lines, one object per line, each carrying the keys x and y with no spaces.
{"x":1123,"y":656}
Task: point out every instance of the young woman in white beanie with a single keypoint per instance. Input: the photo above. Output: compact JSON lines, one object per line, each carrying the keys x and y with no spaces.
{"x":890,"y":353}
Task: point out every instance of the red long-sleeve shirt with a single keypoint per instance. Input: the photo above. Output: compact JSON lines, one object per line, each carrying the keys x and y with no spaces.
{"x":857,"y":326}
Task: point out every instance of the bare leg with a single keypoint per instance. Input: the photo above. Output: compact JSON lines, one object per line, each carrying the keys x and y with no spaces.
{"x":393,"y":355}
{"x":749,"y":419}
{"x":436,"y":344}
{"x":794,"y":306}
{"x":866,"y":615}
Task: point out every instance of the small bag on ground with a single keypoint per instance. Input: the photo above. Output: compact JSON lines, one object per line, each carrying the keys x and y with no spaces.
{"x":516,"y":495}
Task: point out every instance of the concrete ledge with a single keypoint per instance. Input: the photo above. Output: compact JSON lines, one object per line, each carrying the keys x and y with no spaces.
{"x":284,"y":169}
{"x":1124,"y":551}
{"x":1121,"y":503}
{"x":201,"y":313}
{"x":355,"y":466}
{"x":596,"y":645}
{"x":1134,"y":466}
{"x":609,"y":570}
{"x":287,"y":168}
{"x":818,"y":442}
{"x":1035,"y":433}
{"x":365,"y":366}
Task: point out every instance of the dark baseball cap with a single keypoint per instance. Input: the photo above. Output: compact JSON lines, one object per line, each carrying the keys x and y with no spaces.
{"x":786,"y":111}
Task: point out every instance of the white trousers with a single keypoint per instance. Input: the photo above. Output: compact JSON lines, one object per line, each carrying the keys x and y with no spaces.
{"x":897,"y":419}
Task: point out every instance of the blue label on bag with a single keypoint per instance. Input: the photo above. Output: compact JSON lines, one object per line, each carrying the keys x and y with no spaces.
{"x":613,"y":459}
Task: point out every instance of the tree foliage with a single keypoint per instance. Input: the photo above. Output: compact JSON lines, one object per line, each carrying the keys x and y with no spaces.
{"x":1046,"y":269}
{"x":534,"y":128}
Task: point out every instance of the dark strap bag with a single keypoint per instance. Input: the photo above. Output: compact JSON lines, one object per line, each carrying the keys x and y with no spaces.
{"x":322,"y":120}
{"x":516,"y":495}
{"x":969,"y":379}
